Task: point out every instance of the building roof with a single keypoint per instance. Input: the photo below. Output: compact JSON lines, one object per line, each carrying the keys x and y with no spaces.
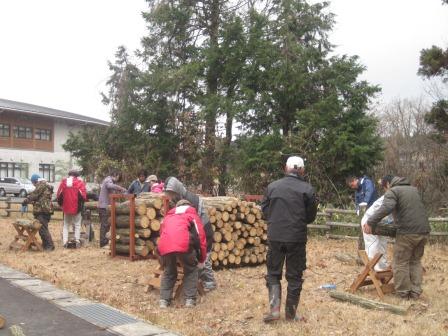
{"x":10,"y":105}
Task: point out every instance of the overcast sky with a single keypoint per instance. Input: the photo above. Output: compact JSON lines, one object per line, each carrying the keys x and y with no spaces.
{"x":54,"y":53}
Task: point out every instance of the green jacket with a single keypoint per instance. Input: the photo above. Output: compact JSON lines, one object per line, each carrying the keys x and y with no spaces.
{"x":403,"y":200}
{"x":41,"y":198}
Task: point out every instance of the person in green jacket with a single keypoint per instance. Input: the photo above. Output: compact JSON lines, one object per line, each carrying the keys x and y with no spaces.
{"x":404,"y":202}
{"x":42,"y":208}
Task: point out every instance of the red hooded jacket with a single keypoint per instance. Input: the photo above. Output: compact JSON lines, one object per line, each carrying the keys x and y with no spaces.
{"x":71,"y":188}
{"x":176,"y":231}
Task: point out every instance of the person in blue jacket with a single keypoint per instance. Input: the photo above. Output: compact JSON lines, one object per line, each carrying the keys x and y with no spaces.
{"x":365,"y":191}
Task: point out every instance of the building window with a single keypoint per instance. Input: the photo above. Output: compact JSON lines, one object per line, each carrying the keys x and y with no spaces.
{"x":46,"y":171}
{"x":42,"y":134}
{"x":4,"y":130}
{"x":23,"y":132}
{"x":13,"y":169}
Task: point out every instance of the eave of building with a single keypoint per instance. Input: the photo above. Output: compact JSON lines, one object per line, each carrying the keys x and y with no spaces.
{"x":13,"y":106}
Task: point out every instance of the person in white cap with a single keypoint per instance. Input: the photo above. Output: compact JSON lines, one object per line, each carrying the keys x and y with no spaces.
{"x":289,"y":204}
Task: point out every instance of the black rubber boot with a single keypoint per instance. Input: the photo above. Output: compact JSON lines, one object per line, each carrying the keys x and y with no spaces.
{"x":290,"y":310}
{"x":275,"y":298}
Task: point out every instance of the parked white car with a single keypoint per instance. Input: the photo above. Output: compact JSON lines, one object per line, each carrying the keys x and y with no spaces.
{"x":15,"y":185}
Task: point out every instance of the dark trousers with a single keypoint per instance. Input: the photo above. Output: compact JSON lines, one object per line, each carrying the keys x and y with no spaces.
{"x":189,"y":264}
{"x":104,"y":226}
{"x":295,"y":256}
{"x":45,"y":235}
{"x":407,"y":266}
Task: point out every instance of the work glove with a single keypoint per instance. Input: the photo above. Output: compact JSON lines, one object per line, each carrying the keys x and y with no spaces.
{"x":201,"y":265}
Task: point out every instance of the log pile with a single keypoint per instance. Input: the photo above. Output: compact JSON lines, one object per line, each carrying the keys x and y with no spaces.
{"x":240,"y":232}
{"x":148,"y":216}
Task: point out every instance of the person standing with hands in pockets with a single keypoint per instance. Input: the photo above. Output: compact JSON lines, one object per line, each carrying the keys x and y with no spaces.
{"x":289,"y":204}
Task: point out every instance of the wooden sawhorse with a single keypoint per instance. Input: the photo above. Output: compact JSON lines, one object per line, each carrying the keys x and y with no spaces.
{"x":368,"y":276}
{"x":26,"y":231}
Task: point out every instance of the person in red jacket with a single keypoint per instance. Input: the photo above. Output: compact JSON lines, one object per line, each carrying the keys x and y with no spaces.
{"x":71,"y":196}
{"x":182,"y":238}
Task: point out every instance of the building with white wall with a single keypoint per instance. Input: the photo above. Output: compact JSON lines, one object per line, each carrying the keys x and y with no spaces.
{"x":31,"y":139}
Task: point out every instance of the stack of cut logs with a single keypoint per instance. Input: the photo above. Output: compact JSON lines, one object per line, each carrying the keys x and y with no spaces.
{"x":147,"y":224}
{"x":240,"y":232}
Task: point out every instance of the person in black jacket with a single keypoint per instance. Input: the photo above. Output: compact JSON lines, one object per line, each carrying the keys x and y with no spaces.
{"x":289,"y":204}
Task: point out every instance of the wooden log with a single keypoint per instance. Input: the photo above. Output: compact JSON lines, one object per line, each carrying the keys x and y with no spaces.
{"x":140,"y":222}
{"x":151,"y":213}
{"x":230,"y":245}
{"x":366,"y":303}
{"x":31,"y":224}
{"x":154,"y":199}
{"x":250,"y":218}
{"x":225,"y":261}
{"x":154,"y":225}
{"x":150,"y":244}
{"x":212,"y":219}
{"x":387,"y":230}
{"x":231,"y":258}
{"x":124,"y":233}
{"x":15,"y":330}
{"x":141,"y":209}
{"x":221,"y":255}
{"x":125,"y":240}
{"x":253,"y":259}
{"x":228,"y":236}
{"x":237,"y":260}
{"x":139,"y":250}
{"x":214,"y":256}
{"x":225,"y":216}
{"x":217,"y":237}
{"x":216,"y":247}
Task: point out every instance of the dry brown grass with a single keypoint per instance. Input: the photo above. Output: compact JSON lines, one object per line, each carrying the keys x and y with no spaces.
{"x":237,"y":306}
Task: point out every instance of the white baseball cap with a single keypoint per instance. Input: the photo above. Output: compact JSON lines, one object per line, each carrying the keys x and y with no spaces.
{"x":295,"y":162}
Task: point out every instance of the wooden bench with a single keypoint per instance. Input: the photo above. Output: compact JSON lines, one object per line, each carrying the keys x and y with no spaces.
{"x":368,"y":276}
{"x":26,"y":235}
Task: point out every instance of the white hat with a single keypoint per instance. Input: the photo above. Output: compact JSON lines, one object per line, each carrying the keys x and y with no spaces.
{"x":295,"y":162}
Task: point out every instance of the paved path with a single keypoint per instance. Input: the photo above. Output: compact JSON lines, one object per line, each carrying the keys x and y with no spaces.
{"x":41,"y":309}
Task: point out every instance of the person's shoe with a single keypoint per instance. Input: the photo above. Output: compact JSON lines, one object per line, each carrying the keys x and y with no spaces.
{"x":414,"y":295}
{"x":209,"y":286}
{"x":290,"y":310}
{"x":190,"y":303}
{"x":106,"y":247}
{"x":402,"y":295}
{"x":275,"y":296}
{"x":163,"y":304}
{"x":108,"y":235}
